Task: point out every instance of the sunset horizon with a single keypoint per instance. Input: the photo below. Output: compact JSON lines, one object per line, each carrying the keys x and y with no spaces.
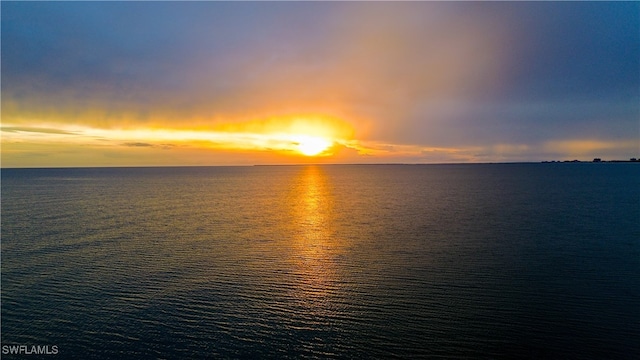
{"x":215,"y":83}
{"x":320,"y":179}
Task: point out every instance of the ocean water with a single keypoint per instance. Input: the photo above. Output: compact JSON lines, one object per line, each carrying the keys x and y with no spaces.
{"x":345,"y":261}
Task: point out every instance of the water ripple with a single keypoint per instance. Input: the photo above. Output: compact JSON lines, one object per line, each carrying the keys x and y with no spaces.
{"x":491,"y":261}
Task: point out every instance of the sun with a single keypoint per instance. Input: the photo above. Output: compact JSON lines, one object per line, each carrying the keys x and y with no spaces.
{"x":312,"y":145}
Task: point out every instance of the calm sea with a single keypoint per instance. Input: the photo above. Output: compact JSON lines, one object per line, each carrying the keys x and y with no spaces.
{"x":370,"y":261}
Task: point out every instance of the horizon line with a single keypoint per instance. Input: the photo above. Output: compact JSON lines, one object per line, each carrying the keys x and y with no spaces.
{"x":632,"y":160}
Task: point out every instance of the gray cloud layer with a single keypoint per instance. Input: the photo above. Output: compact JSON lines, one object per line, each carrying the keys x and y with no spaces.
{"x":440,"y":74}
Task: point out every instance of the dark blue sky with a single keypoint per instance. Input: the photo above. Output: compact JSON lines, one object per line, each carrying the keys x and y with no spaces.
{"x":476,"y":75}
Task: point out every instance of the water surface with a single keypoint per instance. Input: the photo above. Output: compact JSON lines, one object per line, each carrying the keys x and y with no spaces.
{"x":344,"y":261}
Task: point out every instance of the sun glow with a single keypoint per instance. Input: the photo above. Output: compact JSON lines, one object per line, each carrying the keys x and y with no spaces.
{"x":274,"y":139}
{"x":312,"y":145}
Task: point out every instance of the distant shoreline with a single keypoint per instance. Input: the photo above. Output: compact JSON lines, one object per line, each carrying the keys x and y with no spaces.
{"x":328,"y":164}
{"x":596,"y":160}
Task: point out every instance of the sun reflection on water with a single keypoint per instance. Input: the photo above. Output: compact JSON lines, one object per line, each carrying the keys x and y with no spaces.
{"x":315,"y":247}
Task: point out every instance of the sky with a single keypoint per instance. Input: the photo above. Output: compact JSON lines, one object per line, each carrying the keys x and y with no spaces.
{"x":243,"y":83}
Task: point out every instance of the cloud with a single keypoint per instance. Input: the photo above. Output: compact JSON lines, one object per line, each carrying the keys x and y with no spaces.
{"x":591,"y":147}
{"x":137,"y":144}
{"x":494,"y":79}
{"x":19,"y":129}
{"x":371,"y":63}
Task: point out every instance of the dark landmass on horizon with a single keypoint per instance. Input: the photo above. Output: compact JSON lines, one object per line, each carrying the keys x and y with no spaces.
{"x":596,"y":160}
